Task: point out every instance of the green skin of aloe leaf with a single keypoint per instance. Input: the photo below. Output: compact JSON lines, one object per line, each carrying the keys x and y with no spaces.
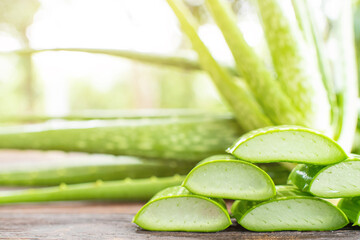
{"x":223,"y":176}
{"x":295,"y":63}
{"x":351,"y":207}
{"x":246,"y":109}
{"x":291,"y":209}
{"x":178,"y":61}
{"x":287,"y":144}
{"x":185,"y":139}
{"x":333,"y":181}
{"x":176,"y":209}
{"x":120,"y":190}
{"x":261,"y":81}
{"x":89,"y":168}
{"x":135,"y":114}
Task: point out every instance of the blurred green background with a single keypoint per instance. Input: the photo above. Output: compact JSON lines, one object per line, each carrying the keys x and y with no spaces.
{"x":58,"y":83}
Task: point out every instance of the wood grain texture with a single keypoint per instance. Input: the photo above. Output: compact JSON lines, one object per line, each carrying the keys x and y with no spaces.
{"x":76,"y":220}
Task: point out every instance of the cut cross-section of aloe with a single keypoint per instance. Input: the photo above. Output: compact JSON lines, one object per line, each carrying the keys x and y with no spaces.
{"x":351,"y":207}
{"x":223,"y":176}
{"x":335,"y":181}
{"x":291,"y":209}
{"x":287,"y":144}
{"x":176,"y":209}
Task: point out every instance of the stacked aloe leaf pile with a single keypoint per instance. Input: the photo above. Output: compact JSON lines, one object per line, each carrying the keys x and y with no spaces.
{"x":324,"y":171}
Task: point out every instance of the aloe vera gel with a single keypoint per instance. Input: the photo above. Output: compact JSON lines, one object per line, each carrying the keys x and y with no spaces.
{"x":334,"y":181}
{"x":291,"y":209}
{"x":223,"y":176}
{"x":287,"y":144}
{"x":176,"y":209}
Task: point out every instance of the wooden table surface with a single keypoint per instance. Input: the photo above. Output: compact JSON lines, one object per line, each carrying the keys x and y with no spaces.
{"x":86,"y":220}
{"x":104,"y":220}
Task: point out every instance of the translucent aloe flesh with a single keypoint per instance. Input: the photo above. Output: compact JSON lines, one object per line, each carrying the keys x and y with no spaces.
{"x":351,"y":207}
{"x":334,"y":181}
{"x":291,"y":209}
{"x":176,"y":209}
{"x":120,"y":190}
{"x":225,"y":177}
{"x":288,"y":144}
{"x":88,"y":168}
{"x":186,"y":139}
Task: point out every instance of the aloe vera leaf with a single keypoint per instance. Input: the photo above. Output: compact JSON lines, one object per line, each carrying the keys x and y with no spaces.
{"x":351,"y":207}
{"x":306,"y":19}
{"x":120,"y":190}
{"x":88,"y":168}
{"x":287,"y":144}
{"x":186,"y":139}
{"x":176,"y":209}
{"x":248,"y":112}
{"x":114,"y":114}
{"x":291,"y":209}
{"x":346,"y":70}
{"x":335,"y":181}
{"x":178,"y":61}
{"x":261,"y":81}
{"x":222,"y":176}
{"x":295,"y":64}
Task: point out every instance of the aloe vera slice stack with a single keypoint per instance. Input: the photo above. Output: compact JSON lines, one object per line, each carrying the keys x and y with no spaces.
{"x":176,"y":209}
{"x":334,"y":181}
{"x":291,"y":209}
{"x":223,"y":176}
{"x":351,"y":207}
{"x":287,"y":144}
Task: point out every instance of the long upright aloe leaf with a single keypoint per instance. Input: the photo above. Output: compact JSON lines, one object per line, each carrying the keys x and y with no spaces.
{"x":295,"y":64}
{"x":266,"y":89}
{"x":179,"y":61}
{"x":306,"y":19}
{"x":247,"y":111}
{"x":347,"y":75}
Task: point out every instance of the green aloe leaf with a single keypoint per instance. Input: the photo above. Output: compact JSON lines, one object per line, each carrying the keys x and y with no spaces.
{"x":261,"y":81}
{"x":334,"y":181}
{"x":296,"y":65}
{"x":291,"y":209}
{"x":287,"y":144}
{"x":179,"y":61}
{"x":223,"y":176}
{"x":176,"y":209}
{"x":248,"y":112}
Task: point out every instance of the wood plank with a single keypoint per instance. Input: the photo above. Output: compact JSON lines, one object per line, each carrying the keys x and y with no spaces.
{"x":85,"y":220}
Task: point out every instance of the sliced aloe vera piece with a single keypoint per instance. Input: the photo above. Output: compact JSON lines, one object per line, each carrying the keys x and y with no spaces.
{"x":287,"y":144}
{"x":291,"y":209}
{"x":223,"y":176}
{"x":176,"y":209}
{"x":334,"y":181}
{"x":351,"y":207}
